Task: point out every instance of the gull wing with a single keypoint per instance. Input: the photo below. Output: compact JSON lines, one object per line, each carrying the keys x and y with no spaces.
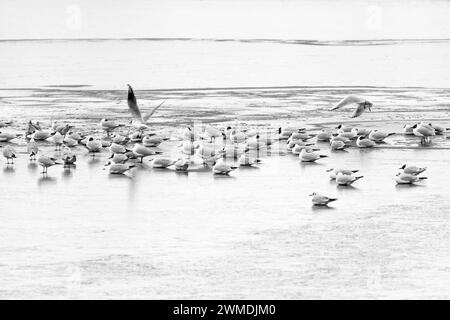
{"x":358,"y":111}
{"x":132,"y":104}
{"x":147,"y":116}
{"x":348,"y":100}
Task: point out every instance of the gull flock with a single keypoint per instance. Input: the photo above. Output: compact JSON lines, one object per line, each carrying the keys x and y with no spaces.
{"x":130,"y":149}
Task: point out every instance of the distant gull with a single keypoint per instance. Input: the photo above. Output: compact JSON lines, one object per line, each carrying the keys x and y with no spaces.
{"x":32,"y":149}
{"x":379,"y":136}
{"x":364,"y":142}
{"x":335,"y":172}
{"x":311,"y":156}
{"x":46,"y":162}
{"x":320,"y":200}
{"x":220,"y":167}
{"x":345,"y":179}
{"x":362,"y":104}
{"x":412,"y":169}
{"x":10,"y":154}
{"x":405,"y":178}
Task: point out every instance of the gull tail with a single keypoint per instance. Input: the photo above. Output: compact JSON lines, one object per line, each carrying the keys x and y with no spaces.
{"x":423,"y":178}
{"x":359,"y":177}
{"x":323,"y":156}
{"x":332,"y":199}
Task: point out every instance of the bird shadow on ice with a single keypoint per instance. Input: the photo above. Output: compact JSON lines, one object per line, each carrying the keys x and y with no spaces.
{"x":223,"y":176}
{"x":46,"y":180}
{"x":321,"y":208}
{"x":68,"y":172}
{"x":32,"y":166}
{"x":346,"y":188}
{"x":9,"y":168}
{"x":119,"y":177}
{"x":407,"y":186}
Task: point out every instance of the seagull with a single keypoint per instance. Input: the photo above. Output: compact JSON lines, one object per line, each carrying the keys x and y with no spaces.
{"x":405,"y":178}
{"x":69,"y":142}
{"x":300,"y":135}
{"x":32,"y":149}
{"x":348,"y":135}
{"x":134,"y":109}
{"x":324,"y":135}
{"x":162,"y":162}
{"x":320,"y":200}
{"x":338,"y":145}
{"x":408,"y":129}
{"x":151,"y":141}
{"x":119,"y":158}
{"x":246,"y":161}
{"x":220,"y":167}
{"x":6,"y":137}
{"x":306,"y":156}
{"x":120,"y":139}
{"x":109,"y":125}
{"x":40,"y":135}
{"x":45,"y":162}
{"x":345,"y":179}
{"x":181,"y":165}
{"x":364,"y":132}
{"x":119,"y":168}
{"x":93,"y":145}
{"x":237,"y":136}
{"x":298,"y":148}
{"x":58,"y":140}
{"x":412,"y":169}
{"x":117,"y":148}
{"x":364,"y":142}
{"x":334,"y":172}
{"x":68,"y":156}
{"x":379,"y":136}
{"x":9,"y":153}
{"x":362,"y":103}
{"x":424,"y":131}
{"x":141,"y":152}
{"x":212,"y":133}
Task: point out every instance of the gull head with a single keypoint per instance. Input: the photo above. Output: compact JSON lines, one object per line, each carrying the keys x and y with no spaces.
{"x":403,"y":166}
{"x":313,"y":194}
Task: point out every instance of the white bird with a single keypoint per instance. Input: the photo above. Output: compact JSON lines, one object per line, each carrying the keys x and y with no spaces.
{"x":320,"y":200}
{"x":10,"y":154}
{"x":412,"y":169}
{"x":424,"y":131}
{"x":324,"y":135}
{"x":40,"y":135}
{"x":109,"y":125}
{"x":141,"y":152}
{"x":343,"y":128}
{"x":408,"y":129}
{"x":237,"y":136}
{"x":119,"y":168}
{"x":120,"y":139}
{"x":151,"y":141}
{"x":340,"y":138}
{"x":187,"y":148}
{"x":334,"y":172}
{"x":74,"y":135}
{"x":346,"y":179}
{"x":69,"y":142}
{"x":337,"y":145}
{"x":379,"y":136}
{"x":298,"y":148}
{"x":211,"y":133}
{"x":134,"y":109}
{"x":58,"y":140}
{"x":119,"y":158}
{"x":246,"y":161}
{"x":220,"y":167}
{"x":93,"y":145}
{"x":32,"y":149}
{"x":405,"y":178}
{"x":181,"y":165}
{"x":364,"y":132}
{"x":348,"y":135}
{"x":207,"y":153}
{"x":46,"y":162}
{"x":136,"y":136}
{"x":300,"y":135}
{"x":6,"y":136}
{"x":68,"y":156}
{"x":364,"y":142}
{"x":362,"y":104}
{"x":117,"y":148}
{"x":162,"y":162}
{"x":311,"y":156}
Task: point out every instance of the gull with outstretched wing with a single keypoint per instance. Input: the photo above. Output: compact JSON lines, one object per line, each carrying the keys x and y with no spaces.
{"x":134,"y":109}
{"x":362,"y":104}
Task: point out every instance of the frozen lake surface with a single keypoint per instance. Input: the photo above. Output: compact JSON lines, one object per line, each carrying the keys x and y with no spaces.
{"x":158,"y":234}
